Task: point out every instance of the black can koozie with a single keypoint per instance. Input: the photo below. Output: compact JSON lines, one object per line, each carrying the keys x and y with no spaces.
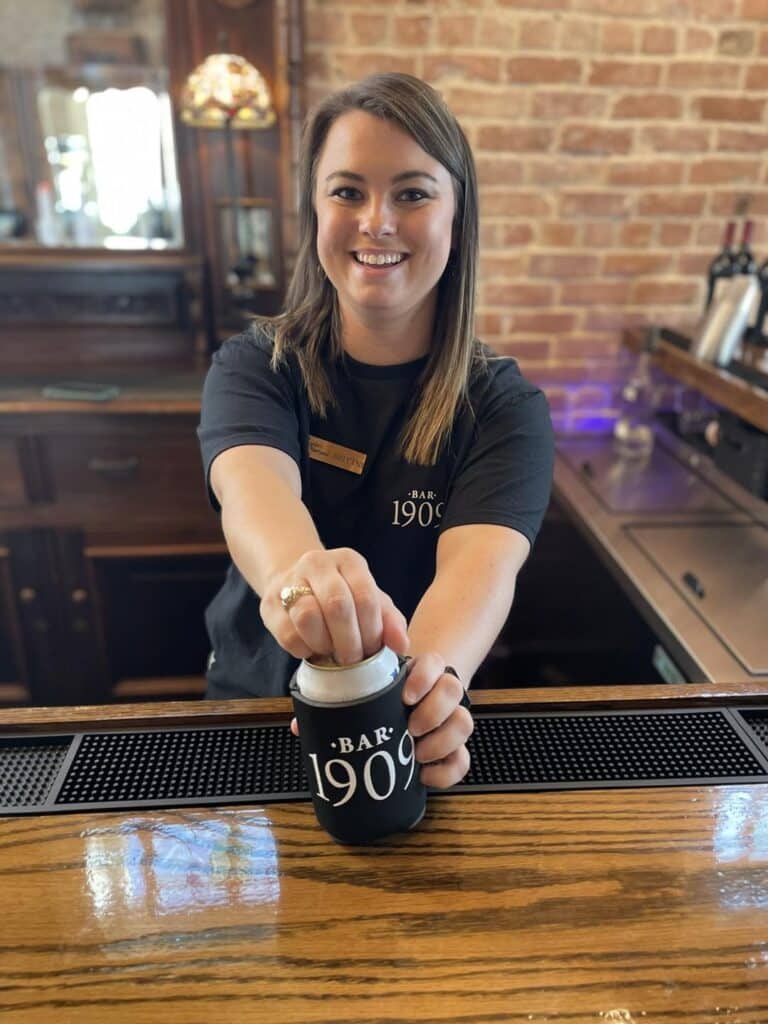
{"x":360,"y":763}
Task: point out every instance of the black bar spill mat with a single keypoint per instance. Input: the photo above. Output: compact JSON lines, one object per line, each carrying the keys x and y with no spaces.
{"x":247,"y":764}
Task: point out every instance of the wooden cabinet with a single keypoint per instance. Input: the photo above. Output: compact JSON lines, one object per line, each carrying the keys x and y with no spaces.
{"x":109,"y":553}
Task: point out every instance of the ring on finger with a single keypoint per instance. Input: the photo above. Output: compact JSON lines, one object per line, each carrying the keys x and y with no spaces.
{"x":290,"y":595}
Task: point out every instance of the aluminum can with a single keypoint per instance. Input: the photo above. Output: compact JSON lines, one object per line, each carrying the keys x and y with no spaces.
{"x":358,"y":754}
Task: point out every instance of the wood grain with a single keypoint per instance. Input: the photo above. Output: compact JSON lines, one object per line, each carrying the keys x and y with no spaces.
{"x":638,"y":906}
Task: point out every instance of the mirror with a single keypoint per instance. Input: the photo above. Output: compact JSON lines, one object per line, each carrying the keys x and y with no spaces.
{"x":87,"y":155}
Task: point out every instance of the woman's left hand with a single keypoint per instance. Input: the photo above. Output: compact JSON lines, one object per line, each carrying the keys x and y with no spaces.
{"x":438,"y":725}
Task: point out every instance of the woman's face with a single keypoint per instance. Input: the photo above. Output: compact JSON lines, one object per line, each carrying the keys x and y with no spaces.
{"x":385,"y":211}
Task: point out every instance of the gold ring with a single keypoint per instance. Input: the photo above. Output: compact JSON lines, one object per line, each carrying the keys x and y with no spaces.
{"x":289,"y":595}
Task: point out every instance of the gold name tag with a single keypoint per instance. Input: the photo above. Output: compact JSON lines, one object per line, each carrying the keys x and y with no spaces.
{"x":336,"y":455}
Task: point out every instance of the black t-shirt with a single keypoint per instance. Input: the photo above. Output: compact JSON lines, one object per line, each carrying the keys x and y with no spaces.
{"x":497,"y":469}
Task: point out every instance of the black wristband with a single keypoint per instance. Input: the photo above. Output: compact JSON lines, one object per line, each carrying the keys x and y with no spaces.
{"x":465,"y":702}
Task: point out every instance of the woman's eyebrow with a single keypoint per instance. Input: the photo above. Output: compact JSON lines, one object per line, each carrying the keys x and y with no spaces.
{"x":398,"y":177}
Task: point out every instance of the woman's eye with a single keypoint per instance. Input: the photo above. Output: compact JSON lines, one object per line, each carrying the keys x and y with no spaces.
{"x":414,"y":194}
{"x":340,"y":192}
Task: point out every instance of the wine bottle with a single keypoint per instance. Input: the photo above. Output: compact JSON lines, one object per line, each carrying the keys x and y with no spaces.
{"x":758,"y":332}
{"x":744,"y":261}
{"x":722,"y":266}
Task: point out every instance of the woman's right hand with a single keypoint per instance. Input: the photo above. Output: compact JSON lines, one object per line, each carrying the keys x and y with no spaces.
{"x":346,"y":616}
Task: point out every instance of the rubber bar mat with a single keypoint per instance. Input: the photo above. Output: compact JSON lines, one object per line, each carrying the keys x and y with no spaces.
{"x":513,"y":751}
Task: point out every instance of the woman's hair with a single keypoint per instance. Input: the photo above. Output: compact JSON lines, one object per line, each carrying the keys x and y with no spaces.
{"x":309,"y":326}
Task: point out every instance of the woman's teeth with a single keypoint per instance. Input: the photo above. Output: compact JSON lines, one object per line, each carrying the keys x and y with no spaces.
{"x":379,"y":259}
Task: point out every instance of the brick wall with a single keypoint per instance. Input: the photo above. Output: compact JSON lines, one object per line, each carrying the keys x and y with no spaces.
{"x":612,"y":139}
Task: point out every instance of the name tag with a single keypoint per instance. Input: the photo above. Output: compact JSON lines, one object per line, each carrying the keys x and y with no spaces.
{"x":336,"y":455}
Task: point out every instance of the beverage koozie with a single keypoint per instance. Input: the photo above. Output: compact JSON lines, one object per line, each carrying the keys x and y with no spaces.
{"x":360,"y":763}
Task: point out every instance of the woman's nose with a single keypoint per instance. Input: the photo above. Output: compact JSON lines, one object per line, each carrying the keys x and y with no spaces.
{"x":377,"y":219}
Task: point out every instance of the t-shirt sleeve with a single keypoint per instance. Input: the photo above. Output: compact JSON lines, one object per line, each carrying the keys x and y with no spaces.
{"x":246,"y":402}
{"x":505,"y":479}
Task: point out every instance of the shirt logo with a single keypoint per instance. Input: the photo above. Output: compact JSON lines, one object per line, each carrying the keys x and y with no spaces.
{"x":418,"y":508}
{"x":336,"y":455}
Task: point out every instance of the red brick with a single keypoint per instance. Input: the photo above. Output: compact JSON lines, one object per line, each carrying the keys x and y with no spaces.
{"x":554,"y":106}
{"x":538,"y":34}
{"x":527,"y":294}
{"x":710,"y":234}
{"x":623,"y":73}
{"x":754,"y":10}
{"x":467,"y":66}
{"x":580,"y":36}
{"x":515,"y":138}
{"x":699,"y":40}
{"x":456,"y":29}
{"x":724,"y":172}
{"x":587,"y":139}
{"x":694,"y":263}
{"x":612,"y":320}
{"x":646,"y":173}
{"x":735,"y":42}
{"x":597,"y":234}
{"x":488,"y":324}
{"x":515,"y":234}
{"x":481,"y":102}
{"x":539,"y":5}
{"x":515,"y":204}
{"x":556,"y":233}
{"x":498,"y":170}
{"x":633,"y":264}
{"x":525,"y":351}
{"x":659,"y":39}
{"x":505,"y":267}
{"x":672,"y":233}
{"x":351,"y":66}
{"x":592,"y":204}
{"x":617,"y":37}
{"x":703,"y":74}
{"x":497,"y":33}
{"x":757,"y":76}
{"x":569,"y":171}
{"x":581,"y":293}
{"x":729,"y":108}
{"x":676,"y":140}
{"x":543,"y":69}
{"x":330,"y":27}
{"x":544,"y":323}
{"x":763,"y":48}
{"x":411,"y":31}
{"x":724,"y":202}
{"x":575,"y":347}
{"x":561,"y":265}
{"x":650,"y":106}
{"x":671,"y":204}
{"x":742,"y":141}
{"x":364,"y":28}
{"x":665,"y":293}
{"x":636,"y":232}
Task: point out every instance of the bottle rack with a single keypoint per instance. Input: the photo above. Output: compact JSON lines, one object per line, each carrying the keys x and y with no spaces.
{"x":746,"y":400}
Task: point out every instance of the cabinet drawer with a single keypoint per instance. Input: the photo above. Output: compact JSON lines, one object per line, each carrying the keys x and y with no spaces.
{"x":145,"y":477}
{"x":13,"y":492}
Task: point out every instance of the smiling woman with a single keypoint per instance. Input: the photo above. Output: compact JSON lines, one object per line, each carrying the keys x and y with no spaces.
{"x":381,"y":475}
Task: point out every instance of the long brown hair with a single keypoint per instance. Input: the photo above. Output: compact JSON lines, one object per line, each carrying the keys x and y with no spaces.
{"x":309,"y":326}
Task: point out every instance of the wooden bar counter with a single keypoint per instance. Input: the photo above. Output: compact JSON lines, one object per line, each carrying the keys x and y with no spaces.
{"x":640,"y":906}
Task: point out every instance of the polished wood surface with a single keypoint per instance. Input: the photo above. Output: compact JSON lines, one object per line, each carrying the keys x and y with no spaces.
{"x":552,"y":698}
{"x":638,"y":906}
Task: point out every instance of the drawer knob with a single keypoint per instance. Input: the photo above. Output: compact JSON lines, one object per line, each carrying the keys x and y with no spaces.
{"x":79,"y":595}
{"x":114,"y":467}
{"x":27,"y":595}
